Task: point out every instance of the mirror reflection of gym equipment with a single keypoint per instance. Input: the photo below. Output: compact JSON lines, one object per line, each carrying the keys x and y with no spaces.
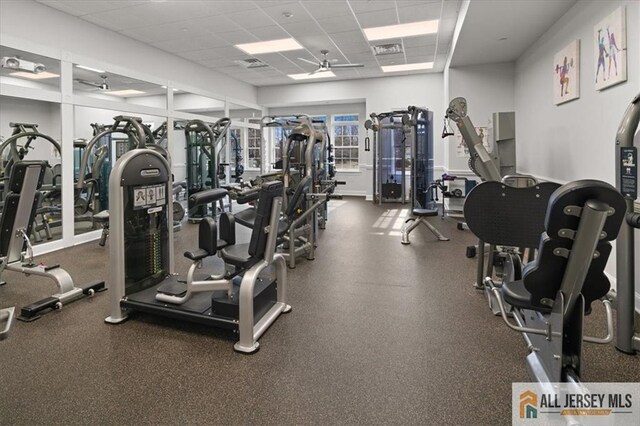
{"x":204,"y":144}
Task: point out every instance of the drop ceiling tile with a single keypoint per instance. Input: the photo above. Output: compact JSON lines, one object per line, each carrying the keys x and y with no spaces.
{"x":171,"y":31}
{"x":377,"y":18}
{"x":272,"y":32}
{"x":326,"y":9}
{"x":254,"y":18}
{"x":216,"y":24}
{"x":413,"y":3}
{"x":215,"y":62}
{"x":79,"y":8}
{"x":189,"y":44}
{"x":302,"y":28}
{"x":427,"y":40}
{"x":422,"y":12}
{"x":238,"y":37}
{"x":275,"y":10}
{"x":349,"y":37}
{"x":365,"y":6}
{"x":339,"y":24}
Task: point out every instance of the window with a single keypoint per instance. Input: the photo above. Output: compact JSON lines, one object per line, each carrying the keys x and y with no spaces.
{"x":236,"y":145}
{"x":254,"y":143}
{"x":346,"y":141}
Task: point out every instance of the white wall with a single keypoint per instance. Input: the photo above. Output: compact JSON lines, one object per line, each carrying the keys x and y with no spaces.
{"x":378,"y":94}
{"x":487,"y":88}
{"x":36,"y":23}
{"x":573,"y":140}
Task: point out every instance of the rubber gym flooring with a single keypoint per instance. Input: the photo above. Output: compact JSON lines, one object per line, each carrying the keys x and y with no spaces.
{"x":380,"y":333}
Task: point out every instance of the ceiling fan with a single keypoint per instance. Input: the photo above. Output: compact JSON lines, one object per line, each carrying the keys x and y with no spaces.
{"x":325,"y":64}
{"x":102,"y":86}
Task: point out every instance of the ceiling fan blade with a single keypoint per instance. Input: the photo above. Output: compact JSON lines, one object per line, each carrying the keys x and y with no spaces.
{"x":307,"y":61}
{"x":87,"y":83}
{"x":347,"y":65}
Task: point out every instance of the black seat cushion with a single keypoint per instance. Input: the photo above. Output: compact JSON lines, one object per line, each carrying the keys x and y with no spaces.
{"x":424,"y":212}
{"x":246,"y":217}
{"x":207,"y":196}
{"x":197,"y":254}
{"x":237,"y":255}
{"x":515,"y":294}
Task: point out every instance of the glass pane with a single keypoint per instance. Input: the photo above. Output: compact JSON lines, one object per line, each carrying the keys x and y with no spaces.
{"x":96,"y":148}
{"x":42,"y":120}
{"x":102,"y":84}
{"x":29,"y":70}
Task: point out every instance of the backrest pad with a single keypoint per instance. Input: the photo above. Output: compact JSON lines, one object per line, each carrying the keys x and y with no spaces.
{"x":543,"y":277}
{"x":503,"y":215}
{"x":258,"y":242}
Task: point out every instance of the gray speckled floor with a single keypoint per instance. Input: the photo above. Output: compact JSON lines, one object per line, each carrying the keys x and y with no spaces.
{"x":380,"y":333}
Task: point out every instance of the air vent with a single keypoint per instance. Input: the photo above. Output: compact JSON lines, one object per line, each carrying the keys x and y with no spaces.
{"x":387,"y":49}
{"x":251,"y":63}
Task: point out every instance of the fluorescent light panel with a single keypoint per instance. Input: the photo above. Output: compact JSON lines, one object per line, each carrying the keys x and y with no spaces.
{"x":31,"y":76}
{"x":91,"y":69}
{"x":408,"y":67}
{"x":305,"y":76}
{"x":128,"y":92}
{"x":402,"y":30}
{"x":280,"y":45}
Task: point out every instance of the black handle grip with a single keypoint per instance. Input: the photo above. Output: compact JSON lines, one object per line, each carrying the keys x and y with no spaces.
{"x":367,"y":144}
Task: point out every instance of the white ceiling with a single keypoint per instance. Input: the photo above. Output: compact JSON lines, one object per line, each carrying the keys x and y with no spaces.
{"x":205,"y":32}
{"x":522,"y":22}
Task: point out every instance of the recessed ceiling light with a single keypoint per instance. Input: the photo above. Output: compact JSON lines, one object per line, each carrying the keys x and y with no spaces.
{"x":305,"y":76}
{"x":402,"y":30}
{"x":174,"y":89}
{"x":91,"y":69}
{"x":280,"y":45}
{"x":408,"y":67}
{"x":287,"y":14}
{"x":40,"y":76}
{"x":127,"y":92}
{"x":502,"y":38}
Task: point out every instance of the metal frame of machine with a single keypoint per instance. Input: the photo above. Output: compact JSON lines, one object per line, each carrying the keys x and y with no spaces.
{"x":142,"y":165}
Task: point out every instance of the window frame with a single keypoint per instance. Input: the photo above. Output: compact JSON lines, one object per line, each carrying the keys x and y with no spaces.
{"x":334,"y":138}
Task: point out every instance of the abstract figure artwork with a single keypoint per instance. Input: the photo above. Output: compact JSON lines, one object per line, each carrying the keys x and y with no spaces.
{"x":610,"y":49}
{"x":566,"y":71}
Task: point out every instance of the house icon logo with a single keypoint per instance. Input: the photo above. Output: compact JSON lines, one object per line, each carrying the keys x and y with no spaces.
{"x":528,"y":405}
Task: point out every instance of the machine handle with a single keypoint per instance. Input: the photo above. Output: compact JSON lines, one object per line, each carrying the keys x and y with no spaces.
{"x":367,"y":144}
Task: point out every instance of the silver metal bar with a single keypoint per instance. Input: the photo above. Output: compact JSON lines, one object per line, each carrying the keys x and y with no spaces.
{"x":6,"y":316}
{"x":276,"y":208}
{"x":488,"y":281}
{"x":594,"y":215}
{"x":609,"y":337}
{"x":247,"y":343}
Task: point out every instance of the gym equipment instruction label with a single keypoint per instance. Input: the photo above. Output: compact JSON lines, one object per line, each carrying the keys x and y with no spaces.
{"x":149,"y":196}
{"x":629,"y":172}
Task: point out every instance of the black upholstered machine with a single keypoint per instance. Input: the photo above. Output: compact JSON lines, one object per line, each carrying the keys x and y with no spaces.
{"x":556,"y":290}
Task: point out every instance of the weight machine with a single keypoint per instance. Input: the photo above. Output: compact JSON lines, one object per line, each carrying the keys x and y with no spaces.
{"x":628,"y":317}
{"x":204,"y":145}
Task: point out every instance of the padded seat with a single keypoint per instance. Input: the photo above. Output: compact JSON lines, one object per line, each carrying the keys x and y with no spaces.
{"x":237,"y":255}
{"x":195,"y":255}
{"x":515,"y":294}
{"x":102,"y":216}
{"x":424,"y":212}
{"x":246,"y":217}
